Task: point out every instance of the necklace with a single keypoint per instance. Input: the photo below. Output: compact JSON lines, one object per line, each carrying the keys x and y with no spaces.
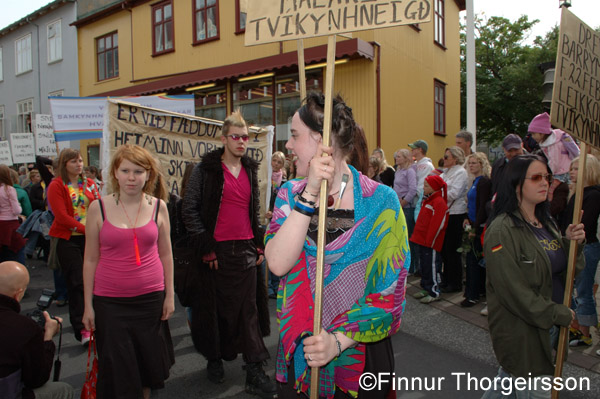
{"x":534,"y":222}
{"x":331,"y":199}
{"x":138,"y":260}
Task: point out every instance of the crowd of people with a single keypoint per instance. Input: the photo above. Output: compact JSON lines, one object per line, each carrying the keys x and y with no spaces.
{"x":499,"y":233}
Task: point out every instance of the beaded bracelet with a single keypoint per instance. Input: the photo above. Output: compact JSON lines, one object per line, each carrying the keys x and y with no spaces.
{"x":303,"y":209}
{"x":339,"y":345}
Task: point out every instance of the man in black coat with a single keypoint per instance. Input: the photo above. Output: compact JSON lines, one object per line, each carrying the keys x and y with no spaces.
{"x":220,"y":212}
{"x":26,"y":350}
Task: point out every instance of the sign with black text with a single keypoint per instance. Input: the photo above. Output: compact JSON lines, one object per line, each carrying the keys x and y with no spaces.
{"x":576,"y":92}
{"x":5,"y":157}
{"x":22,"y":147}
{"x":45,"y":144}
{"x":271,"y":21}
{"x":176,"y":140}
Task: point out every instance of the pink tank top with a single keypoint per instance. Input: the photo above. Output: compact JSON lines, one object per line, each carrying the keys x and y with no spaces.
{"x":117,"y":274}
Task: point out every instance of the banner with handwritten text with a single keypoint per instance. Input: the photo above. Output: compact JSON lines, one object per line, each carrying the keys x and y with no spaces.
{"x":176,"y":140}
{"x":576,"y":92}
{"x":45,"y":144}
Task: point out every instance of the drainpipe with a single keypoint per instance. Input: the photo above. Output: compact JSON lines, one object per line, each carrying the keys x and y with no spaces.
{"x":378,"y":92}
{"x":126,"y":6}
{"x":39,"y":76}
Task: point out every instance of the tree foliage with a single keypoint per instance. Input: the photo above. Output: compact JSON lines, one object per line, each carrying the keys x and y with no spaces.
{"x":509,"y":80}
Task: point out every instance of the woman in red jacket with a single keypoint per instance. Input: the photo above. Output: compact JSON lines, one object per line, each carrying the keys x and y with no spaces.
{"x":70,"y":194}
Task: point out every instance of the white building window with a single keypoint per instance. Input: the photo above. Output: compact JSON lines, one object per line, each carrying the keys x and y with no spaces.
{"x":1,"y":69}
{"x":24,"y":110}
{"x":54,"y":41}
{"x":57,"y":93}
{"x":2,"y":121}
{"x":23,"y":54}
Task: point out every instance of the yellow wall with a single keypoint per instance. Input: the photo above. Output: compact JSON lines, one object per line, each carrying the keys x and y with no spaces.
{"x":409,"y":63}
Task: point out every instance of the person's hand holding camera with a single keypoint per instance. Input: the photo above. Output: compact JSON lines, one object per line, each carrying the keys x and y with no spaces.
{"x":51,"y":327}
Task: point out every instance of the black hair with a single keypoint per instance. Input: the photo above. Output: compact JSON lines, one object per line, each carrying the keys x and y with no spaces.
{"x":507,"y":200}
{"x":342,"y":125}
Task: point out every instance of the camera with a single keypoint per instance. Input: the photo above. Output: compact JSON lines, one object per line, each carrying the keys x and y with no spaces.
{"x":43,"y":303}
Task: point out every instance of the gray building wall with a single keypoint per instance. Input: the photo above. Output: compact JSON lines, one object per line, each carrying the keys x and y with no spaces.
{"x":44,"y":77}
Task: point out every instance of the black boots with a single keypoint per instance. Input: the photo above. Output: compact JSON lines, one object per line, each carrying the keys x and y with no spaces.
{"x":257,"y":382}
{"x":215,"y":371}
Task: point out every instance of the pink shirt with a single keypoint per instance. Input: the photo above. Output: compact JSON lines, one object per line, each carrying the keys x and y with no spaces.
{"x":233,"y":222}
{"x":9,"y":204}
{"x":117,"y":274}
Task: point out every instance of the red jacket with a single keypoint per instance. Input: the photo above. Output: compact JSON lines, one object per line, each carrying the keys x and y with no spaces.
{"x":430,"y":228}
{"x":64,"y":217}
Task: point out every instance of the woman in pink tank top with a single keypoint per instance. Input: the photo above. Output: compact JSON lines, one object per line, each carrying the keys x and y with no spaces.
{"x":128,"y":278}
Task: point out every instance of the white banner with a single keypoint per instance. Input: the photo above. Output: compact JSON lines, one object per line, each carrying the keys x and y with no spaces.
{"x":80,"y":118}
{"x":5,"y":157}
{"x":45,"y":144}
{"x":22,"y":147}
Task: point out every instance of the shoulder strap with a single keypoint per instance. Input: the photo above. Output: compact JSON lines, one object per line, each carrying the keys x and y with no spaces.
{"x":157,"y":210}
{"x":101,"y":203}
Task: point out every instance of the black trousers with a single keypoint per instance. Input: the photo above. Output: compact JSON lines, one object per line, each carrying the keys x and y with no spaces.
{"x":227,"y":324}
{"x":452,"y":274}
{"x":70,"y":257}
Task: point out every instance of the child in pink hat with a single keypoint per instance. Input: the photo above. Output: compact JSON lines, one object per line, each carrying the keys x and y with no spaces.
{"x":558,"y":147}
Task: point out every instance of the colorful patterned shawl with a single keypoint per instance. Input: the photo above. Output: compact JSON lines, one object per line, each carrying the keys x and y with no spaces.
{"x":364,"y":285}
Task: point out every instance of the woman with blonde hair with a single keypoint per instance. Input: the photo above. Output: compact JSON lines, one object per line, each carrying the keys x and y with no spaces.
{"x":128,"y":279}
{"x":11,"y":242}
{"x":478,"y":196}
{"x":405,"y":186}
{"x":584,"y":302}
{"x":69,"y":196}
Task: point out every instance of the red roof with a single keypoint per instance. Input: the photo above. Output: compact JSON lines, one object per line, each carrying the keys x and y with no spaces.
{"x":352,"y":48}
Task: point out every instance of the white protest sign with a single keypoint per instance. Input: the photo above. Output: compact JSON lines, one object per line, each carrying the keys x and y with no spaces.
{"x":22,"y":147}
{"x":45,"y":144}
{"x":271,"y":21}
{"x":5,"y":157}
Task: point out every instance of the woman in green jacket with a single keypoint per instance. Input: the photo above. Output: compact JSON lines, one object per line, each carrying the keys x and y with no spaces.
{"x":526,"y":261}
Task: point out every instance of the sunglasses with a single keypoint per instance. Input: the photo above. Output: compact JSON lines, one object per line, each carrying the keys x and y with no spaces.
{"x":538,"y":177}
{"x":236,"y":137}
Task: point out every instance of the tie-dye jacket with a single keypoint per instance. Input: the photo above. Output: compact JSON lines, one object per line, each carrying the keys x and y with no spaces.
{"x":364,"y":286}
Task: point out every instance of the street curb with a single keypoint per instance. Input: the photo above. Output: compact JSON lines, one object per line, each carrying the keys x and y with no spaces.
{"x":450,"y":303}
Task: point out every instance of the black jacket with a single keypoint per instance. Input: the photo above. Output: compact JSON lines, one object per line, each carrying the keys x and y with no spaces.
{"x":203,"y":200}
{"x":22,"y":346}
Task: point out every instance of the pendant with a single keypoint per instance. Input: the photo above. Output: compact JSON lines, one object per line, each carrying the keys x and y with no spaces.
{"x":138,"y":261}
{"x":330,"y":200}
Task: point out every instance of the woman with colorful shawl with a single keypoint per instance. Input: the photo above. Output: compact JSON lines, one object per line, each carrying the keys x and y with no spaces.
{"x":365,"y":264}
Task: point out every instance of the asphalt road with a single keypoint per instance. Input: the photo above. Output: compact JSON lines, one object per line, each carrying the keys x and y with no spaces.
{"x":433,"y":348}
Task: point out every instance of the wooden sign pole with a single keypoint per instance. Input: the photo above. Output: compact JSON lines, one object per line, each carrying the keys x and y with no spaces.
{"x":563,"y":343}
{"x":301,"y":71}
{"x":314,"y":376}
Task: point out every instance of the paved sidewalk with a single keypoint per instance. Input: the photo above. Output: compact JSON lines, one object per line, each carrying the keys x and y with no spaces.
{"x":584,"y":357}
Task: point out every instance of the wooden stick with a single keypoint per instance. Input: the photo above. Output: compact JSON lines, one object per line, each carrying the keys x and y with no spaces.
{"x":301,"y":71}
{"x":314,"y":376}
{"x":563,"y":343}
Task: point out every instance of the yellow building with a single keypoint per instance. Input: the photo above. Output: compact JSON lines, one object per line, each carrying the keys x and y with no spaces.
{"x":403,"y":83}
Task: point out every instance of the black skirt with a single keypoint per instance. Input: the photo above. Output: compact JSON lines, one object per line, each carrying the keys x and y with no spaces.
{"x":135,"y":350}
{"x":379,"y":358}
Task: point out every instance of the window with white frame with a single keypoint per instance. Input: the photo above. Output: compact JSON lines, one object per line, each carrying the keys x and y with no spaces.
{"x":24,"y":110}
{"x":439,"y":22}
{"x":54,"y":41}
{"x":57,"y":93}
{"x":1,"y":73}
{"x":23,"y":54}
{"x":2,"y":121}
